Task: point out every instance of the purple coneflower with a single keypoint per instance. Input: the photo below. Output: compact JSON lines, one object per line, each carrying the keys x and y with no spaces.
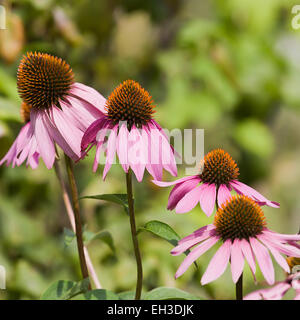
{"x":278,"y":291}
{"x":55,"y":108}
{"x":133,"y":134}
{"x":218,"y":177}
{"x":240,"y":226}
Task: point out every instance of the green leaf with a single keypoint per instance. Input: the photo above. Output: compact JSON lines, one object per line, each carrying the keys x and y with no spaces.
{"x":69,"y":236}
{"x":97,"y":294}
{"x":64,"y":289}
{"x":162,"y":230}
{"x":104,"y":236}
{"x":117,"y":198}
{"x":128,"y":295}
{"x":165,"y":293}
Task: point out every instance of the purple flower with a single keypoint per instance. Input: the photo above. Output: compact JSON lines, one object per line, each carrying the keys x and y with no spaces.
{"x":218,"y":178}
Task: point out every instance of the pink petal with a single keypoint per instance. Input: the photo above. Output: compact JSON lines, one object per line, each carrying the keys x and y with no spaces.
{"x":92,"y":131}
{"x":242,"y":188}
{"x":273,"y":293}
{"x":198,"y":233}
{"x":223,"y":194}
{"x":189,"y":201}
{"x":71,"y":134}
{"x":286,"y":249}
{"x":58,"y":138}
{"x":208,"y":198}
{"x":136,"y":156}
{"x":183,"y":246}
{"x":122,"y":147}
{"x":195,"y":254}
{"x":171,"y":183}
{"x":168,"y":158}
{"x":89,"y":94}
{"x":111,"y":150}
{"x":179,"y":191}
{"x":264,"y":260}
{"x":237,"y":260}
{"x":99,"y":148}
{"x":282,"y":237}
{"x":218,"y":263}
{"x":43,"y":139}
{"x":21,"y":141}
{"x":85,"y":112}
{"x":277,"y":256}
{"x":248,"y":254}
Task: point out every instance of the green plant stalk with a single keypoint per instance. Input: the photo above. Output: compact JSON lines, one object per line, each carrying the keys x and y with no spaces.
{"x":70,"y":214}
{"x":137,"y":253}
{"x":76,"y":210}
{"x":239,"y":288}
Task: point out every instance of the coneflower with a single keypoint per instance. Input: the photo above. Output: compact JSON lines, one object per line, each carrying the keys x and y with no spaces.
{"x":56,"y":109}
{"x":218,"y":177}
{"x":240,"y":226}
{"x":129,"y":119}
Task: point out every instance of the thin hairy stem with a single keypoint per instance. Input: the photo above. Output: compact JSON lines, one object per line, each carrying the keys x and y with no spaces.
{"x":70,"y":214}
{"x":137,"y":253}
{"x":76,"y":210}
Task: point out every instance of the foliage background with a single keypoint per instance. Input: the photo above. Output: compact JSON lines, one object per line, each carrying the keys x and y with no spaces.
{"x":230,"y":67}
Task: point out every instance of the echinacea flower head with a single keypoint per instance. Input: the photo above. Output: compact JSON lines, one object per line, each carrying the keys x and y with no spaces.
{"x":240,"y":226}
{"x":128,"y":130}
{"x":278,"y":291}
{"x":55,"y":108}
{"x":218,"y":177}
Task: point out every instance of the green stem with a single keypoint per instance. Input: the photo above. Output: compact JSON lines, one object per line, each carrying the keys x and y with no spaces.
{"x":76,"y":210}
{"x":70,"y":215}
{"x":239,"y":288}
{"x":137,"y":253}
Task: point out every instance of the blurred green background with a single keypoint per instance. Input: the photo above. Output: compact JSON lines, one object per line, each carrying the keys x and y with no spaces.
{"x":230,"y":67}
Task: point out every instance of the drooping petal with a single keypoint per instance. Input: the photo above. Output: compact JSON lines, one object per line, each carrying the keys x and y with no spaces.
{"x":43,"y":139}
{"x":111,"y":150}
{"x":171,"y":183}
{"x":248,"y":254}
{"x":281,"y":236}
{"x":198,"y":233}
{"x":179,"y":191}
{"x":154,"y":162}
{"x":217,"y":264}
{"x":195,"y":254}
{"x":286,"y":249}
{"x":99,"y":148}
{"x":20,"y":142}
{"x":122,"y":147}
{"x":92,"y":131}
{"x":86,"y":112}
{"x":58,"y":138}
{"x":277,"y":256}
{"x":208,"y":198}
{"x":189,"y":201}
{"x":274,"y":293}
{"x":223,"y":194}
{"x":264,"y":260}
{"x":244,"y":189}
{"x":237,"y":260}
{"x":136,"y":158}
{"x":71,"y":134}
{"x":183,"y":246}
{"x":88,"y":94}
